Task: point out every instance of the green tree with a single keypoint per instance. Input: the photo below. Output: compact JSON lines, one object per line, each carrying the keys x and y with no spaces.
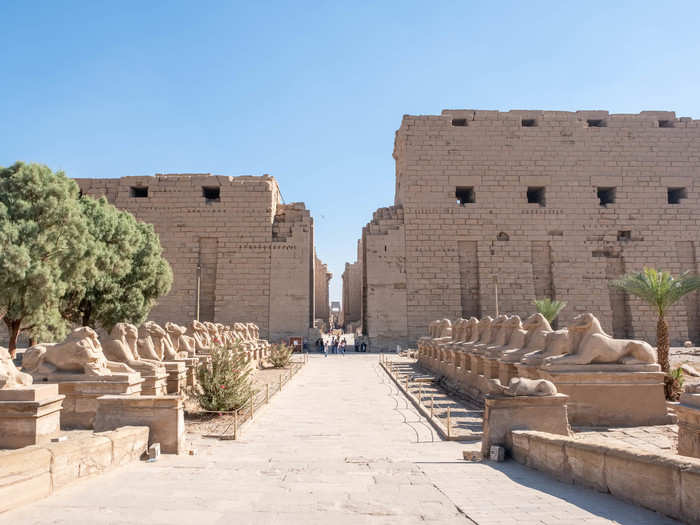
{"x":129,"y":272}
{"x":150,"y":277}
{"x":44,"y":247}
{"x":549,"y":308}
{"x":660,"y":290}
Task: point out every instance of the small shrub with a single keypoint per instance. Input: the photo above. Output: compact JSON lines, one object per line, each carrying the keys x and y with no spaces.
{"x":548,"y":308}
{"x":225,"y":383}
{"x":281,"y":355}
{"x":675,"y":381}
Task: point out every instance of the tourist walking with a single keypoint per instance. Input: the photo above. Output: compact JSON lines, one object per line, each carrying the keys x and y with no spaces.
{"x":334,"y":346}
{"x":363,"y":347}
{"x":324,"y":348}
{"x":342,"y":346}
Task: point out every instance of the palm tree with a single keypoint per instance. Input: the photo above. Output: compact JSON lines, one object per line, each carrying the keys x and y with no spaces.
{"x":548,"y":308}
{"x":660,"y":290}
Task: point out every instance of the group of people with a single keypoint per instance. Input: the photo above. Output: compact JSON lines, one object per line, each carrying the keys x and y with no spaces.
{"x":337,"y":345}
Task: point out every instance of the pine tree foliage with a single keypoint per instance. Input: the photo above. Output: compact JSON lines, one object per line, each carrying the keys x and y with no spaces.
{"x":225,"y":383}
{"x":67,"y":259}
{"x":44,"y":247}
{"x":129,"y":271}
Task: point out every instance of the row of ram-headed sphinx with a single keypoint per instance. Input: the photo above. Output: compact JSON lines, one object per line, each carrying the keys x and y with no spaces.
{"x":481,"y":356}
{"x":151,"y":350}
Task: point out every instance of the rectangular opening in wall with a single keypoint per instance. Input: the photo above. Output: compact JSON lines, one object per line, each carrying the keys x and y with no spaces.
{"x":528,"y":122}
{"x":535,"y":195}
{"x":139,"y":192}
{"x":459,"y":122}
{"x":665,"y":123}
{"x":624,"y":235}
{"x":606,"y":196}
{"x":676,"y":195}
{"x":211,"y":193}
{"x":596,"y":123}
{"x":465,"y":195}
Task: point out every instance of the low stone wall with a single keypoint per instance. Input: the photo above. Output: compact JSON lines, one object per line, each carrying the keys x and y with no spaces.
{"x":163,"y":415}
{"x":31,"y":473}
{"x":668,"y":483}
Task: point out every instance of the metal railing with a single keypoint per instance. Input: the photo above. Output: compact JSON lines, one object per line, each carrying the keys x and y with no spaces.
{"x":403,"y":381}
{"x":258,"y":399}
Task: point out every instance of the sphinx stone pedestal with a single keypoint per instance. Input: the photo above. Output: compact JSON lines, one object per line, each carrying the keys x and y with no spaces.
{"x":176,"y":377}
{"x":502,"y":414}
{"x":163,"y":415}
{"x":528,"y":371}
{"x":155,"y":385}
{"x":688,"y":412}
{"x":611,"y":394}
{"x":29,"y":415}
{"x":506,"y":372}
{"x":81,"y":392}
{"x":191,"y":370}
{"x":476,"y":364}
{"x":491,"y":367}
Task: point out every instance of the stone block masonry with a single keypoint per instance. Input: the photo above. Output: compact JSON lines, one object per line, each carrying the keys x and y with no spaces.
{"x":534,"y":204}
{"x":352,"y":291}
{"x":237,"y":252}
{"x":34,"y":472}
{"x":322,"y":279}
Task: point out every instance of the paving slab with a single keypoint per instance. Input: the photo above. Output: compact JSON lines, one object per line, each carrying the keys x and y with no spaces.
{"x":338,"y":445}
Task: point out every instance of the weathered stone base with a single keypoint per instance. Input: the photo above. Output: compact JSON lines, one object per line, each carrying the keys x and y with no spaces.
{"x":80,"y":404}
{"x":528,"y":371}
{"x":155,"y":385}
{"x":191,"y":372}
{"x":612,"y":395}
{"x":491,"y":368}
{"x":503,"y":414}
{"x":177,"y":376}
{"x":665,"y":483}
{"x":31,"y":473}
{"x":163,"y":415}
{"x":506,"y":372}
{"x":688,"y":412}
{"x":29,"y":415}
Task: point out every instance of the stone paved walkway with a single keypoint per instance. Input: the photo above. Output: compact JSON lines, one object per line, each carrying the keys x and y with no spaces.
{"x":339,"y":445}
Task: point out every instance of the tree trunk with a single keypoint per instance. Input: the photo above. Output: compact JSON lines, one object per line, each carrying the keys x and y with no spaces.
{"x":13,"y":329}
{"x":662,"y":348}
{"x":662,"y":344}
{"x":86,"y":308}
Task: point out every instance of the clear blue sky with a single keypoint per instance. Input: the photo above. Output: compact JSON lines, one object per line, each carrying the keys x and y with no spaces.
{"x":312,"y":92}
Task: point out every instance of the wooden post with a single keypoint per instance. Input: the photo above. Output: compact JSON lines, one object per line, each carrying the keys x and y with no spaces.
{"x":280,"y":383}
{"x":235,"y":425}
{"x":267,"y":393}
{"x":449,"y":423}
{"x":432,"y":406}
{"x":420,"y":393}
